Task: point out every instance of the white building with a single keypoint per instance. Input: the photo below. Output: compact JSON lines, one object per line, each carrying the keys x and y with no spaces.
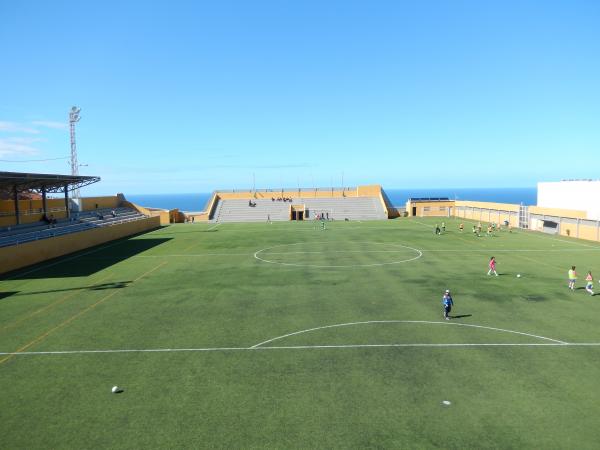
{"x":581,"y":195}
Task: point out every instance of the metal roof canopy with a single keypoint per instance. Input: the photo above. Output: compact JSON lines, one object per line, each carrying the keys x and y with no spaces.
{"x":52,"y":183}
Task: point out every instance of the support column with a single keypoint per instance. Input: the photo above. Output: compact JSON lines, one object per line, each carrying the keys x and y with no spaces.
{"x":44,"y":203}
{"x":67,"y":201}
{"x":559,"y":225}
{"x":17,"y":214}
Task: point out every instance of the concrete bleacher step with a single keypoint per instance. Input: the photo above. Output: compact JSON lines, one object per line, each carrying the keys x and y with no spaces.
{"x":85,"y":220}
{"x":351,"y":208}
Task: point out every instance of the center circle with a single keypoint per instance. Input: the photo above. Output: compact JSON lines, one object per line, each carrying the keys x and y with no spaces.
{"x":338,"y":254}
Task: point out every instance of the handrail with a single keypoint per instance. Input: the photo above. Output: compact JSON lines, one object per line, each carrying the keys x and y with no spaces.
{"x":287,"y":189}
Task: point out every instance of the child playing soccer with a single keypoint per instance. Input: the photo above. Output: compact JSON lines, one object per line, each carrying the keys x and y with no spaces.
{"x":447,"y":303}
{"x":572,"y":277}
{"x":492,"y":266}
{"x":589,"y":283}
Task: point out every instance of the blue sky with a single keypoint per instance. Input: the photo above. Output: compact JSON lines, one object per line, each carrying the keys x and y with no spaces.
{"x":195,"y":96}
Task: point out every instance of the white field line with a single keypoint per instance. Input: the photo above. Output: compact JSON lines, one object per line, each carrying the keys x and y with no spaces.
{"x":404,"y":247}
{"x":443,"y":250}
{"x":259,"y":346}
{"x":192,"y":254}
{"x":302,"y":347}
{"x":487,"y":250}
{"x":423,"y":223}
{"x":407,"y":321}
{"x":306,"y":228}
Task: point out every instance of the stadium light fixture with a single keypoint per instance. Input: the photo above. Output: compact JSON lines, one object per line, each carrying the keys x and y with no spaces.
{"x":73,"y":119}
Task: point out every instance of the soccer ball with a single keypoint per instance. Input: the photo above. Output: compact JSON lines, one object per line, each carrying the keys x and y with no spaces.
{"x":518,"y":275}
{"x":115,"y":389}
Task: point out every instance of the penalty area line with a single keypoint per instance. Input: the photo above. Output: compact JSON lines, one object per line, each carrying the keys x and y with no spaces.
{"x":302,"y":347}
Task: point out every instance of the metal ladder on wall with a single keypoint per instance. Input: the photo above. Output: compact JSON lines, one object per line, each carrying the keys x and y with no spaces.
{"x":523,"y":216}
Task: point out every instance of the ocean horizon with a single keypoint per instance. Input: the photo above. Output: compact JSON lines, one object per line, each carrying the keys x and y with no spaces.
{"x":198,"y":201}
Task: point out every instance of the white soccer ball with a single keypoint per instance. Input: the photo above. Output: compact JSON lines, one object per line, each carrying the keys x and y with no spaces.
{"x":115,"y":389}
{"x":518,"y":275}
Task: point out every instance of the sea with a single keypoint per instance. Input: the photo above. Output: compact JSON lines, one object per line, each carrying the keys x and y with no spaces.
{"x":398,"y":197}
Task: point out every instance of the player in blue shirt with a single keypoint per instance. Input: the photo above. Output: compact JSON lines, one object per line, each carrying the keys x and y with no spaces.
{"x":447,"y":304}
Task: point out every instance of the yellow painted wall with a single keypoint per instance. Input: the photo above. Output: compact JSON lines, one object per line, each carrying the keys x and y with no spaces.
{"x":489,"y":212}
{"x":558,"y":212}
{"x":23,"y":255}
{"x":434,"y":208}
{"x":488,"y":205}
{"x":89,"y":203}
{"x":30,"y":210}
{"x":587,"y":232}
{"x":198,"y":217}
{"x":360,"y":191}
{"x":162,"y":214}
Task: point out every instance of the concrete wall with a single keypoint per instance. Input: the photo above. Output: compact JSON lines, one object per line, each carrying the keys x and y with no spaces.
{"x":162,"y":214}
{"x":23,"y":255}
{"x":430,"y":209}
{"x":558,"y":212}
{"x":360,"y":191}
{"x":579,"y":195}
{"x":89,"y":203}
{"x":488,"y":212}
{"x":30,"y":210}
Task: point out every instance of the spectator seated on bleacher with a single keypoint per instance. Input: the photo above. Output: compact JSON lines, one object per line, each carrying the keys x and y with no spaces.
{"x":113,"y":213}
{"x":51,"y":221}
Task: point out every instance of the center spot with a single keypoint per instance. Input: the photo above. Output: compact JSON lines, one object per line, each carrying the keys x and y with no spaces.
{"x":338,"y":254}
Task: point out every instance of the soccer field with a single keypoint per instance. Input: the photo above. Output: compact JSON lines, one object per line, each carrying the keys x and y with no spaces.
{"x":287,"y":336}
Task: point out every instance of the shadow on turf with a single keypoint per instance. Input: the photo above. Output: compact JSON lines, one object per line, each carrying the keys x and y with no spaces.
{"x":94,"y":287}
{"x":79,"y":265}
{"x":3,"y":295}
{"x":460,"y":316}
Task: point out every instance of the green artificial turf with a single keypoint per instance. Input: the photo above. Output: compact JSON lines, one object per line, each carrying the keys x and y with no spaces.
{"x":234,"y":303}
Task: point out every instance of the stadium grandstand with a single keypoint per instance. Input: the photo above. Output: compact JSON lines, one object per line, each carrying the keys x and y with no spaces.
{"x":357,"y":203}
{"x":34,"y":227}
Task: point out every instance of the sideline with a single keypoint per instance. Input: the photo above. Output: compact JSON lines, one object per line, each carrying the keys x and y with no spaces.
{"x":300,"y":347}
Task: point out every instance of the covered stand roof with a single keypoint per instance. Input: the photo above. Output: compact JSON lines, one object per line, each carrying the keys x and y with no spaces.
{"x":36,"y":181}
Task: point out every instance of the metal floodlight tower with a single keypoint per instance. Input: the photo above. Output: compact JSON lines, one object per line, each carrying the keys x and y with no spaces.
{"x":73,"y":119}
